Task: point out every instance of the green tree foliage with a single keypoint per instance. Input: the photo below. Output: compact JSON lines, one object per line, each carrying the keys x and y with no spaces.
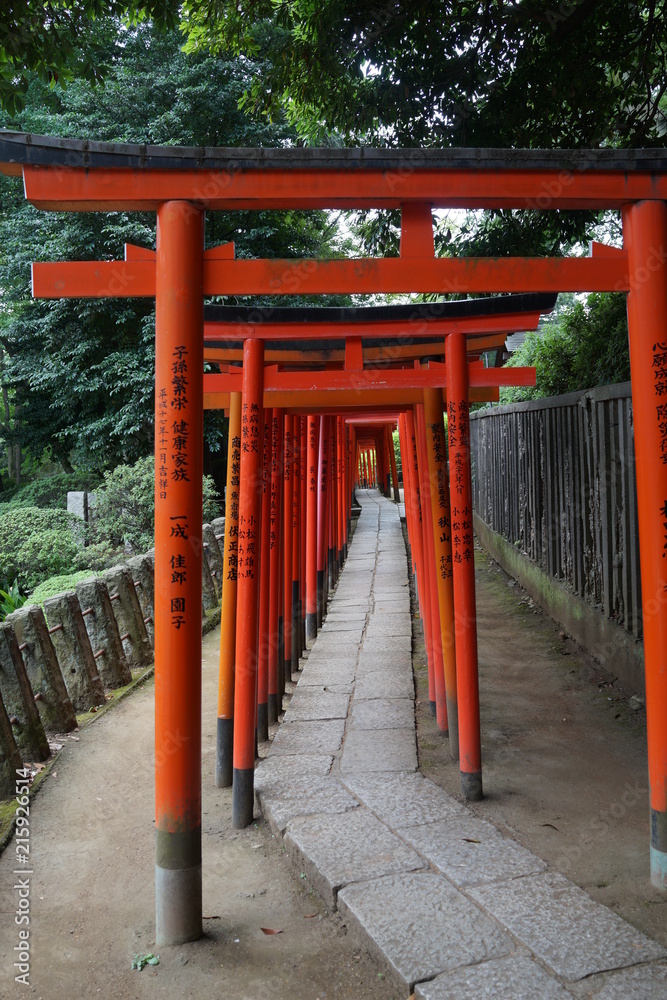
{"x":125,"y":507}
{"x":34,"y":544}
{"x":57,"y":41}
{"x":571,"y":74}
{"x":81,"y":371}
{"x":586,"y":346}
{"x":487,"y":73}
{"x":49,"y":492}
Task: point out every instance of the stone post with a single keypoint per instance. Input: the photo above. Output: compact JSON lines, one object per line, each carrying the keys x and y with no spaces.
{"x":19,"y":698}
{"x":127,"y":611}
{"x":103,"y":632}
{"x":67,"y":629}
{"x":42,"y":668}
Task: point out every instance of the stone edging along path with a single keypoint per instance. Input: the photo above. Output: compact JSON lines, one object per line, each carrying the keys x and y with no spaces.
{"x":452,"y":908}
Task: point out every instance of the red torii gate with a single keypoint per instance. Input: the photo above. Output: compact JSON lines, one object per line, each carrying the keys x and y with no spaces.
{"x":180,"y":185}
{"x":346,"y":377}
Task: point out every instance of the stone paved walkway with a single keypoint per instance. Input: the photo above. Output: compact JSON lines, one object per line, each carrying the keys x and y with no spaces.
{"x":449,"y":905}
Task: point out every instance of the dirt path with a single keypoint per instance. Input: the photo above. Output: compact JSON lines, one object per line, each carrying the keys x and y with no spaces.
{"x":92,"y":896}
{"x":564,"y":758}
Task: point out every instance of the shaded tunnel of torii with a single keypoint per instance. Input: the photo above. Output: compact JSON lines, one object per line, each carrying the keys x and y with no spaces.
{"x":292,"y":409}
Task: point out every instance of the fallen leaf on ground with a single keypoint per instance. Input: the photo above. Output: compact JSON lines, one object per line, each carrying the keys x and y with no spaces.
{"x":471,"y":840}
{"x":269,"y":930}
{"x":140,"y":961}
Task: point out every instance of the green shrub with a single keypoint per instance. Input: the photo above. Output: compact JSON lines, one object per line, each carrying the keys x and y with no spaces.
{"x":35,"y":544}
{"x":98,"y":556}
{"x":125,"y":508}
{"x":584,"y":346}
{"x":58,"y":585}
{"x":51,"y":491}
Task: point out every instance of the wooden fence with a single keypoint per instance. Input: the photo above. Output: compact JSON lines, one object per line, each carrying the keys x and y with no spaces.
{"x":556,"y":478}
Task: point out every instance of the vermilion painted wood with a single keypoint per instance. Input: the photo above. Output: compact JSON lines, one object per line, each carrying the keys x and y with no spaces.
{"x":296,"y":543}
{"x":311,"y":529}
{"x":264,"y":637}
{"x":442,"y":548}
{"x":277,"y":434}
{"x":224,"y":753}
{"x":302,"y":526}
{"x":392,"y":461}
{"x":463,"y":554}
{"x":407,"y":493}
{"x":288,"y":489}
{"x":419,"y":546}
{"x":114,"y":190}
{"x":430,"y":574}
{"x":340,"y":491}
{"x":399,"y":378}
{"x":335,"y":401}
{"x":471,"y":325}
{"x":645,"y":233}
{"x":372,"y":355}
{"x":250,"y":515}
{"x":374,"y":276}
{"x":178,"y":570}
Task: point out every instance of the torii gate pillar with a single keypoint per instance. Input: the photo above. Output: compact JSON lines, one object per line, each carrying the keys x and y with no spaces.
{"x":645,"y":236}
{"x":179,"y":400}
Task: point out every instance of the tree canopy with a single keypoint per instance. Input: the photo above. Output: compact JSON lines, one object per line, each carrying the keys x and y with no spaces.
{"x":435,"y":72}
{"x":79,"y":373}
{"x":532,"y":73}
{"x":57,"y":41}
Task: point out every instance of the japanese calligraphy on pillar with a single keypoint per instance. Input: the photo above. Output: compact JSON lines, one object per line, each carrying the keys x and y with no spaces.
{"x":179,"y":570}
{"x":660,"y":388}
{"x":444,"y":565}
{"x":275,"y":459}
{"x":163,"y":442}
{"x":296,"y":492}
{"x":247,"y":538}
{"x":418,"y":496}
{"x":462,"y":542}
{"x":232,"y":509}
{"x":458,"y":429}
{"x":312,"y":450}
{"x":325,"y":457}
{"x":173,"y":458}
{"x":659,"y":366}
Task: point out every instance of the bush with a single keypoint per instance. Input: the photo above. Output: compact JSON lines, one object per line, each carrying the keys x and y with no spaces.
{"x":50,"y":492}
{"x":585,"y":346}
{"x":125,"y":508}
{"x":35,"y":544}
{"x":58,"y":585}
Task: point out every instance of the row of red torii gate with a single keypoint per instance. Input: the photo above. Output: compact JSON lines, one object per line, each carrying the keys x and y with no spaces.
{"x":313,"y":396}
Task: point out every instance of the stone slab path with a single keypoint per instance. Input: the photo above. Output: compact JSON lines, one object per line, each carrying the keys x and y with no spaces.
{"x":453,"y":908}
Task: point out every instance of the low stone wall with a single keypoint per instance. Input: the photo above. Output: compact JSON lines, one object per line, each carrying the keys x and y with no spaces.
{"x":60,"y":662}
